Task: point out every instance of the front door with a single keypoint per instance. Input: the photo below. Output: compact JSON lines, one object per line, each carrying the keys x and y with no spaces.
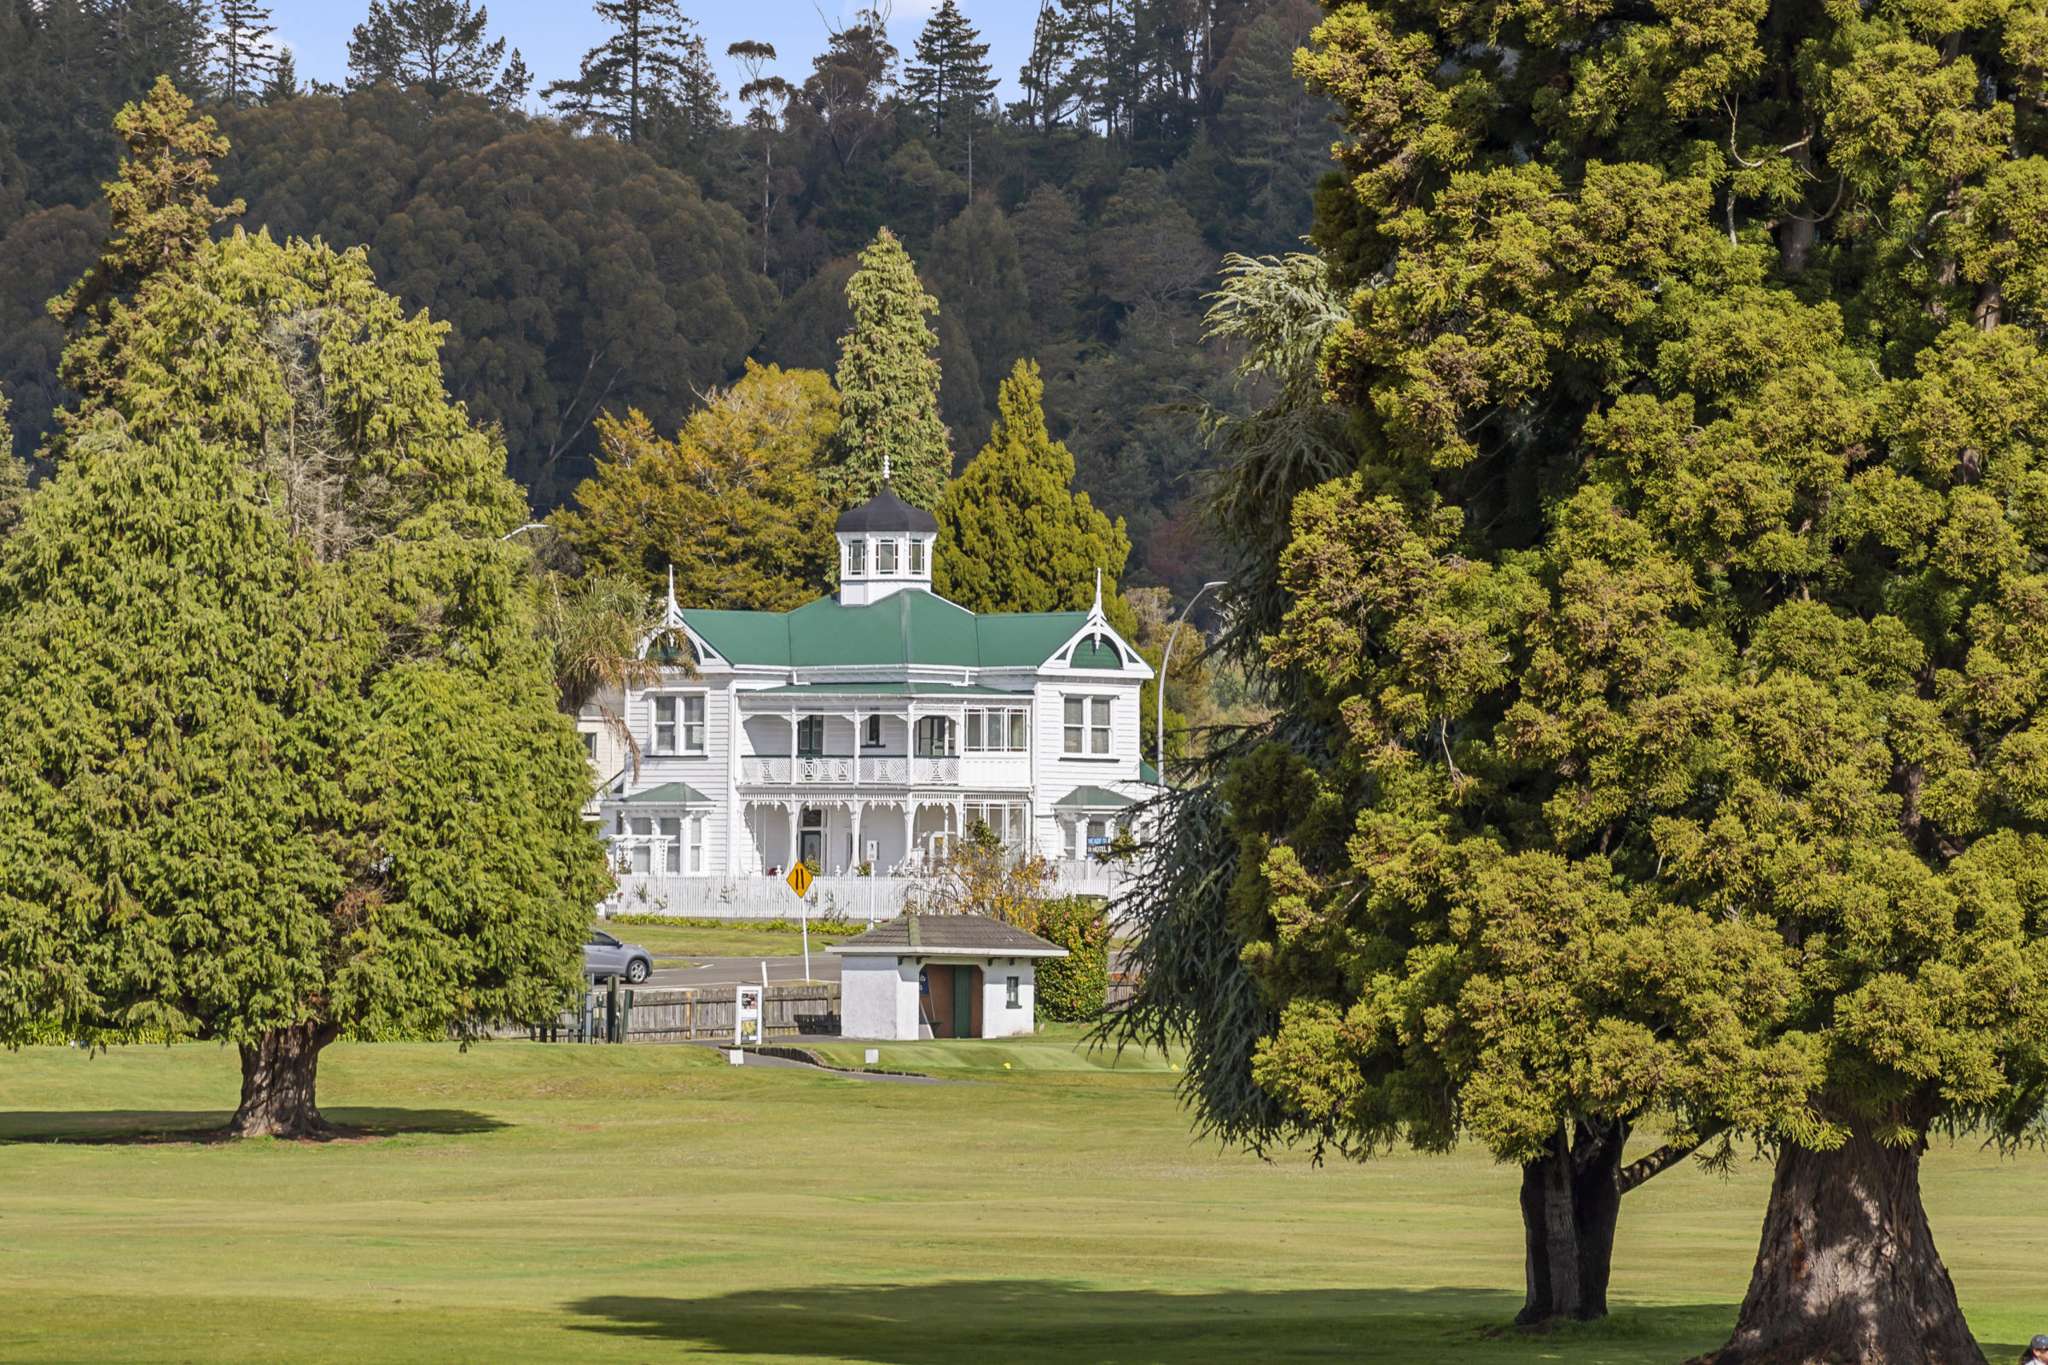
{"x":810,"y":839}
{"x":963,"y":1002}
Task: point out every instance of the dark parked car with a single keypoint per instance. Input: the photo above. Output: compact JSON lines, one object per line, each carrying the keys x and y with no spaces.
{"x":605,"y":956}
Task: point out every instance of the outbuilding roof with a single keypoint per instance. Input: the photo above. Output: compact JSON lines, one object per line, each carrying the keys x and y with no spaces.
{"x":916,"y":934}
{"x":907,"y":627}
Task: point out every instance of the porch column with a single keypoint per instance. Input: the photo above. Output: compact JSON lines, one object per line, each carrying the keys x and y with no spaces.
{"x":791,"y":808}
{"x":855,"y":861}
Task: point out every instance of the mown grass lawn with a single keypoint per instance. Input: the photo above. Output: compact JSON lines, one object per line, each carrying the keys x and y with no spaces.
{"x":679,"y":941}
{"x":529,"y":1202}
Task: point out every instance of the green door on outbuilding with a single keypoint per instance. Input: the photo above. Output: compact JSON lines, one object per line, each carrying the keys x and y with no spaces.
{"x":963,"y":1002}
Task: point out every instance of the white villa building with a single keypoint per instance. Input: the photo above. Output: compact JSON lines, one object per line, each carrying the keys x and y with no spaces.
{"x":861,"y":734}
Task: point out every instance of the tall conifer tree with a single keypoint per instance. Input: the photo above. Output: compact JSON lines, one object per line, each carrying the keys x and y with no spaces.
{"x":244,"y":58}
{"x":283,"y":83}
{"x":652,"y":66}
{"x":1667,"y":726}
{"x":439,"y":46}
{"x":279,"y":741}
{"x":1014,"y":535}
{"x":888,"y":381}
{"x":948,"y":78}
{"x":161,"y":213}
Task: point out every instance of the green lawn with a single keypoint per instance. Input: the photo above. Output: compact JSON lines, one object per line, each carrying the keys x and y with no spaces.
{"x":690,"y":940}
{"x":527,"y":1202}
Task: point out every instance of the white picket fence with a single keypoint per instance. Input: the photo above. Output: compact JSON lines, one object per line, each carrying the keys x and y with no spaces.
{"x":846,"y":898}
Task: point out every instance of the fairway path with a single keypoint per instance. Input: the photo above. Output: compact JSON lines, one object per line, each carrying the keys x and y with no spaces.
{"x":793,"y":1064}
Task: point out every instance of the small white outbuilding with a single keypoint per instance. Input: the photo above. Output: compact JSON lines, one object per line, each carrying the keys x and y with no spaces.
{"x":940,"y":976}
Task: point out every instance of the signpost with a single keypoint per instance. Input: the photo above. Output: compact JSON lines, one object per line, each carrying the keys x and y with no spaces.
{"x":746,"y":1014}
{"x":799,"y":880}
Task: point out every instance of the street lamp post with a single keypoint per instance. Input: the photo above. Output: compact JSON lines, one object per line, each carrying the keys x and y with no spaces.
{"x":1166,"y":662}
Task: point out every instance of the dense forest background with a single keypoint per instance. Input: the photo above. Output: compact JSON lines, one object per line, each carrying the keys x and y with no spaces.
{"x":622,"y":240}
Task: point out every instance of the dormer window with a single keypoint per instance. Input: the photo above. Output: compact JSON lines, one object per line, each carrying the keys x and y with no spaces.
{"x":885,"y":556}
{"x":856,"y":556}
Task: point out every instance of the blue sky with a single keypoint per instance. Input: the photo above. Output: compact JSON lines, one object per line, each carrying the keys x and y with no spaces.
{"x":554,"y":34}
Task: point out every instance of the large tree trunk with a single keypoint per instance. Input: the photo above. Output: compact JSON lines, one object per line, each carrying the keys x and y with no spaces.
{"x":1571,"y":1200}
{"x":1847,"y":1270}
{"x":278,"y":1073}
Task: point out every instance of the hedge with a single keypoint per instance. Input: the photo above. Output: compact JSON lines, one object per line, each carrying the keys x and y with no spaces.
{"x":1075,"y":986}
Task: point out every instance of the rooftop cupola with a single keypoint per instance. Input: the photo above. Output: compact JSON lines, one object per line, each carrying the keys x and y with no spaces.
{"x":885,"y":546}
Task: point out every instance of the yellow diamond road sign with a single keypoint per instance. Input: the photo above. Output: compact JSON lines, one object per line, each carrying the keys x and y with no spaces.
{"x":799,"y":880}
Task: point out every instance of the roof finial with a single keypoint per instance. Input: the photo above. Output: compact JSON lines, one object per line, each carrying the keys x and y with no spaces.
{"x":1096,"y":610}
{"x":885,"y":466}
{"x":672,"y":616}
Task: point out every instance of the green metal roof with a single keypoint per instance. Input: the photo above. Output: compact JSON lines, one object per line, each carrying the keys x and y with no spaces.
{"x":1092,"y":798}
{"x":907,"y":627}
{"x":1148,"y":774}
{"x":668,"y":794}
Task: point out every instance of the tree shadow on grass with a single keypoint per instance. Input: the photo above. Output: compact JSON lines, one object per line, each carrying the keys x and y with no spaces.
{"x":1012,"y":1320}
{"x":150,"y":1127}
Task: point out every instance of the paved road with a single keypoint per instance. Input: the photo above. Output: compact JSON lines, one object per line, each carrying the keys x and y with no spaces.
{"x":731,"y":971}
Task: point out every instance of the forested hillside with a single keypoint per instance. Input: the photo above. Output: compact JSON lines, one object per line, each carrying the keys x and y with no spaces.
{"x":617,"y":241}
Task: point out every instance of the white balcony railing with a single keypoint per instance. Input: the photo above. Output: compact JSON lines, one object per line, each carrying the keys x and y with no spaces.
{"x":774,"y":770}
{"x":885,"y":772}
{"x":936,"y":772}
{"x":823,"y":768}
{"x":764,"y":772}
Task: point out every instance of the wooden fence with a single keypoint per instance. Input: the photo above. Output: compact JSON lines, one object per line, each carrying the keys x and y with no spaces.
{"x":684,"y":1015}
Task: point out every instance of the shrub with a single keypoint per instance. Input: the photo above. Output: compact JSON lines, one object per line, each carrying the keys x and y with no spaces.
{"x":820,"y":924}
{"x":1075,"y":986}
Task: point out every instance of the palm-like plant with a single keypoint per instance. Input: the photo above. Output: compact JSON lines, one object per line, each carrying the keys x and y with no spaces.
{"x":604,"y":634}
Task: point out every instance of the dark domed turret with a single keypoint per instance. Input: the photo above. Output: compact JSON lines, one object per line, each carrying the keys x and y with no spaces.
{"x":885,"y":512}
{"x":885,"y":546}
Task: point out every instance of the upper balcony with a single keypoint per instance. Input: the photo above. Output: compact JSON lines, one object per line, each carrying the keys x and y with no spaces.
{"x":839,"y":770}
